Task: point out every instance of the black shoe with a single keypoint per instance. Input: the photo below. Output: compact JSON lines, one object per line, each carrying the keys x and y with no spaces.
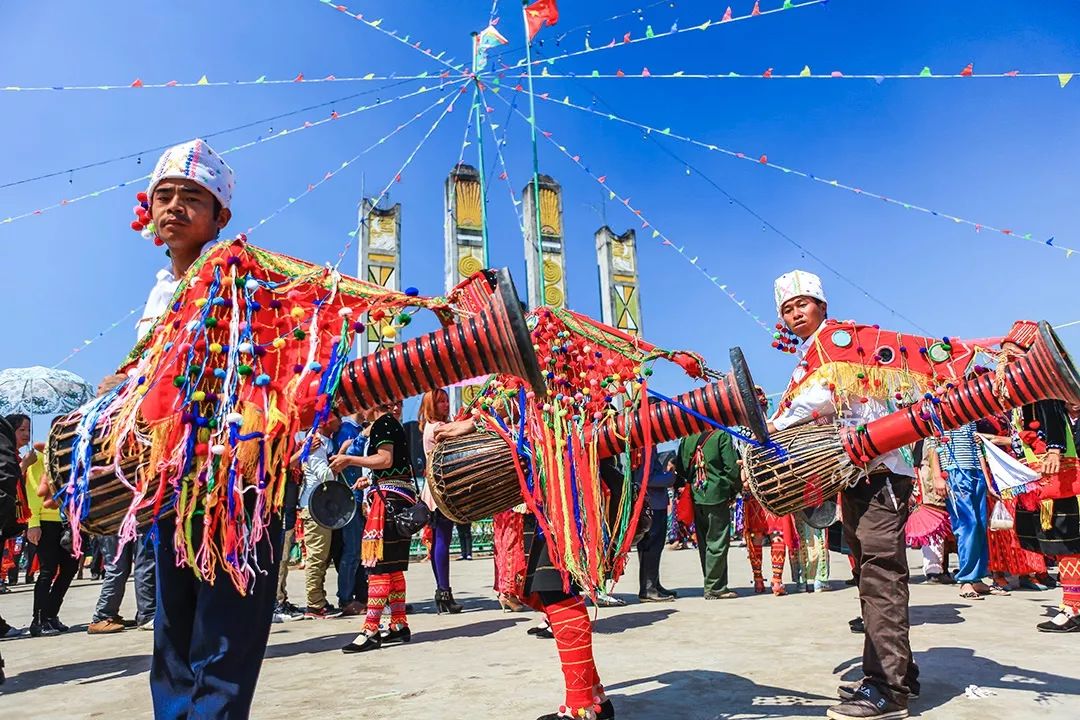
{"x":1071,"y":625}
{"x":372,"y":642}
{"x":857,"y":625}
{"x":846,"y":691}
{"x":654,"y":595}
{"x":444,"y":602}
{"x":852,"y":582}
{"x":867,"y":702}
{"x":408,"y":607}
{"x":56,"y":625}
{"x":37,"y":629}
{"x":664,"y":591}
{"x":544,"y":632}
{"x":401,"y":635}
{"x":29,"y":579}
{"x":607,"y":711}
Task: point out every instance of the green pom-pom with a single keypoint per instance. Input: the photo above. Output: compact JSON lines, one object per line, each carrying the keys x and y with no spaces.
{"x":179,"y":381}
{"x":244,"y":369}
{"x":647,"y":372}
{"x":299,"y":334}
{"x":404,"y":319}
{"x":210,"y":322}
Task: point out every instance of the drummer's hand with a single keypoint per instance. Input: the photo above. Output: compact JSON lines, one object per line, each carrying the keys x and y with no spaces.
{"x":454,"y":429}
{"x":30,"y":459}
{"x":361,"y":484}
{"x":316,"y":442}
{"x":940,"y":488}
{"x":340,"y":462}
{"x":49,"y":503}
{"x":1051,"y":463}
{"x":33,"y":535}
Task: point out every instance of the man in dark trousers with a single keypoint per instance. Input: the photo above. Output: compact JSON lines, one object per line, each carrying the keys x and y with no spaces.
{"x":875,"y":511}
{"x":651,"y":546}
{"x":709,"y":464}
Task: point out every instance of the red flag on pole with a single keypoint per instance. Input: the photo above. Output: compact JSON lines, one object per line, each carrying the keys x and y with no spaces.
{"x":540,"y":12}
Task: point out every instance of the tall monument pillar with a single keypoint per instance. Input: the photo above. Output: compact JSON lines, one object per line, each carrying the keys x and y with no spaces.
{"x":620,"y":291}
{"x":380,"y":262}
{"x":552,"y":290}
{"x":464,"y":241}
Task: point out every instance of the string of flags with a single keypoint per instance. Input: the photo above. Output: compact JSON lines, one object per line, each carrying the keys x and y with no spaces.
{"x":205,"y":82}
{"x":504,"y":175}
{"x":332,"y":173}
{"x":1063,"y":78}
{"x":403,"y":39}
{"x":307,"y":125}
{"x":650,"y":34}
{"x":656,"y":233}
{"x":91,"y":340}
{"x":764,"y":161}
{"x":396,"y":178}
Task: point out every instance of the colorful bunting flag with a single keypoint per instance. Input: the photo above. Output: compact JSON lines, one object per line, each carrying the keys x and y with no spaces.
{"x":757,"y":8}
{"x":727,"y":15}
{"x":1064,"y":78}
{"x":805,"y":71}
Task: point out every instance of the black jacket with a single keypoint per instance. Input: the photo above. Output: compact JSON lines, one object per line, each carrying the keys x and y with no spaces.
{"x":10,"y":477}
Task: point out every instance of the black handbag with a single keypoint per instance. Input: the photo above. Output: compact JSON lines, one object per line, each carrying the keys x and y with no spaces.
{"x":412,"y":519}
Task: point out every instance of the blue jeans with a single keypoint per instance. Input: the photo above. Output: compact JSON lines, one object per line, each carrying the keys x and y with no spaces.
{"x":209,"y":640}
{"x":351,"y":535}
{"x":967,"y":510}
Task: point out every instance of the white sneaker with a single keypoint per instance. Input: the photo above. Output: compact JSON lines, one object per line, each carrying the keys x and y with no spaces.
{"x":148,"y":625}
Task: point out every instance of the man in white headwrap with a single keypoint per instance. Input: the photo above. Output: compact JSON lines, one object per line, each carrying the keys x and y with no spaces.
{"x":874,"y":513}
{"x":209,"y":640}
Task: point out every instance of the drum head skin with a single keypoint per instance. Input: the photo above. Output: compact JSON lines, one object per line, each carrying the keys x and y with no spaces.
{"x":332,"y":504}
{"x":745,"y":383}
{"x":822,"y":516}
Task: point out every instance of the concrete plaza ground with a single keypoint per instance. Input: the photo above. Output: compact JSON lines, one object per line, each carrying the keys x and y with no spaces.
{"x":753,"y":657}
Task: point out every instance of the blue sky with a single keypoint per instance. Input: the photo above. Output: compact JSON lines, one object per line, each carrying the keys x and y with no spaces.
{"x":1003,"y":152}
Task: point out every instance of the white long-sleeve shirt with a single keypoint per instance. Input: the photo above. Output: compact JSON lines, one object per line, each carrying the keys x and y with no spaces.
{"x":814,"y":401}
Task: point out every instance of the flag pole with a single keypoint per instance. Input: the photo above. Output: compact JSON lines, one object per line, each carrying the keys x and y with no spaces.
{"x":535,"y":160}
{"x":480,"y":152}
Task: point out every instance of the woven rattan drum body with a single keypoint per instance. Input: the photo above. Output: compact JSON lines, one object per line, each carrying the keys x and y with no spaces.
{"x":473,"y":477}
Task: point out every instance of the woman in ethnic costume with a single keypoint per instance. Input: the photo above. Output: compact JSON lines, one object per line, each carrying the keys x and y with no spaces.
{"x":384,"y":550}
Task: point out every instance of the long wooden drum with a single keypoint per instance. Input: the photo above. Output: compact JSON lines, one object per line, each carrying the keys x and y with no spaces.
{"x":810,"y":470}
{"x":473,"y":477}
{"x":110,"y":499}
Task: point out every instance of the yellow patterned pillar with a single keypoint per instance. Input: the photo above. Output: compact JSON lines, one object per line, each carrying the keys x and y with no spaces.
{"x":620,"y":289}
{"x":550,"y":243}
{"x":380,"y":262}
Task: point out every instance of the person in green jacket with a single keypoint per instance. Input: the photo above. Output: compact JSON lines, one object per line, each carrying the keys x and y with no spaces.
{"x":709,"y":464}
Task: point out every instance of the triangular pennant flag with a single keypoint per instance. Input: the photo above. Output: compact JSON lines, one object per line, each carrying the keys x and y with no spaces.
{"x":626,"y":38}
{"x":727,"y":15}
{"x":678,"y":73}
{"x":375,"y":23}
{"x":649,"y":31}
{"x":705,"y":25}
{"x":767,"y":73}
{"x":968,"y":70}
{"x":620,"y":73}
{"x":595,"y":73}
{"x":757,"y":8}
{"x":173,"y":83}
{"x":805,"y":71}
{"x":611,"y":195}
{"x":602,"y":179}
{"x":787,"y":5}
{"x":136,"y":83}
{"x":369,"y":76}
{"x":926,"y":72}
{"x":1064,"y":78}
{"x":203,"y":81}
{"x":764,"y":159}
{"x":645,"y":72}
{"x":260,"y":79}
{"x":656,"y":233}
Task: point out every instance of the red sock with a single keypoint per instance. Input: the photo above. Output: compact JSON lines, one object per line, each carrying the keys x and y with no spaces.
{"x":378,"y":592}
{"x":776,"y":551}
{"x":573,"y":636}
{"x":753,"y":551}
{"x":1069,"y":579}
{"x":397,"y":599}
